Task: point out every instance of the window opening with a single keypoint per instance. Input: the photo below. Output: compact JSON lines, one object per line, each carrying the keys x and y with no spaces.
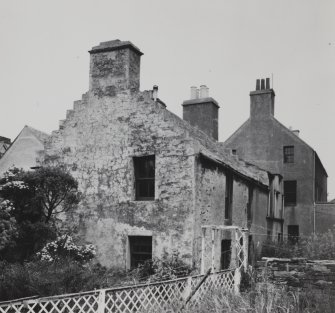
{"x":145,"y":177}
{"x":140,"y":248}
{"x":290,"y":192}
{"x":288,"y":154}
{"x":293,"y":233}
{"x":229,"y":195}
{"x":225,"y":253}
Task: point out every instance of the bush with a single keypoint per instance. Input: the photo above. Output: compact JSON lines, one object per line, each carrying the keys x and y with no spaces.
{"x":168,"y":267}
{"x":64,"y":247}
{"x":39,"y":278}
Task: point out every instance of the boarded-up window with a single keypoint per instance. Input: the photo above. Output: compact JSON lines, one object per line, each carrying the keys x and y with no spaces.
{"x":290,"y":192}
{"x":140,"y":248}
{"x":293,"y":233}
{"x":225,"y":253}
{"x":145,"y":177}
{"x":288,"y":154}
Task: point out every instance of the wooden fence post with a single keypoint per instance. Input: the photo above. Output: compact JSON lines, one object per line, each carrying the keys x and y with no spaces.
{"x":101,"y":301}
{"x":203,"y":252}
{"x":245,"y":237}
{"x":237,"y":281}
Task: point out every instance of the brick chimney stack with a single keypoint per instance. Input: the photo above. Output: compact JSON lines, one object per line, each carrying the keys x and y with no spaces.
{"x":114,"y":68}
{"x":202,"y":111}
{"x":262,"y":100}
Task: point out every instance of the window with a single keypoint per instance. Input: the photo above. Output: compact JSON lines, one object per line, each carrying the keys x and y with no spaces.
{"x":290,"y":192}
{"x":249,"y":204}
{"x":229,"y":196}
{"x":233,"y":151}
{"x":288,"y":154}
{"x":144,"y":177}
{"x":293,"y":233}
{"x":280,"y":237}
{"x":225,"y":253}
{"x":140,"y":248}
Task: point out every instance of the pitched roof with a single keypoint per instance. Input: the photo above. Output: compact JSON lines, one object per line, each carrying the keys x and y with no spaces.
{"x":214,"y":150}
{"x":39,"y":135}
{"x":282,"y":126}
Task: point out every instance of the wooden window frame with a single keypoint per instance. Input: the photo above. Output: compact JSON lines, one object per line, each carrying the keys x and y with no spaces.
{"x":288,"y":154}
{"x":144,"y":179}
{"x":136,"y":256}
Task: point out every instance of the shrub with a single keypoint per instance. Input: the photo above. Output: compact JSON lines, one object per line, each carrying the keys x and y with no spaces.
{"x":64,"y":247}
{"x":165,"y":268}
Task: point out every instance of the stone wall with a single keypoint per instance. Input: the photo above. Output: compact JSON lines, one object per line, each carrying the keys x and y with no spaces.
{"x":97,"y":142}
{"x":295,"y":273}
{"x":324,"y":217}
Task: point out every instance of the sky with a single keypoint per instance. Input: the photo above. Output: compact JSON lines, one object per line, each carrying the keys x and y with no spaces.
{"x":224,"y":44}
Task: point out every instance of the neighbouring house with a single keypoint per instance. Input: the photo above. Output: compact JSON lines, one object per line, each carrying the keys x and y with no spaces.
{"x":4,"y":144}
{"x":149,"y":179}
{"x":23,"y":151}
{"x":264,"y":141}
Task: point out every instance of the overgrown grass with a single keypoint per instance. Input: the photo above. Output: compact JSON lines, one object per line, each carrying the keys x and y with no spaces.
{"x":268,"y":299}
{"x":314,"y":247}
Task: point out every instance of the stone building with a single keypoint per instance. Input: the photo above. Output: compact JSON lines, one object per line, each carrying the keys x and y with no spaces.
{"x":23,"y":152}
{"x":4,"y":144}
{"x":150,"y":179}
{"x":264,"y":141}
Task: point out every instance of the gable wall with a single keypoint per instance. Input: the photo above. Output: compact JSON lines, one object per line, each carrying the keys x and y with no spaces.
{"x":97,"y":143}
{"x":261,"y":142}
{"x":22,"y":153}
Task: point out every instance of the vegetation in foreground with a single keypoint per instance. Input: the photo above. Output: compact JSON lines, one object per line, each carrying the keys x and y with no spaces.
{"x":269,"y":299}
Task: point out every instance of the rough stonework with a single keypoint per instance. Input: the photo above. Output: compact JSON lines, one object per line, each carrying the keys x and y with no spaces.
{"x":114,"y":123}
{"x":297,"y":273}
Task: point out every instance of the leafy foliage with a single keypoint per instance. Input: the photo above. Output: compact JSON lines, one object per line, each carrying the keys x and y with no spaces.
{"x":8,"y":228}
{"x":64,"y":247}
{"x":168,"y":267}
{"x":35,"y":199}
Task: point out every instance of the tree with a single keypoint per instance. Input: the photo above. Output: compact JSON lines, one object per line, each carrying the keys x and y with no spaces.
{"x":36,"y":198}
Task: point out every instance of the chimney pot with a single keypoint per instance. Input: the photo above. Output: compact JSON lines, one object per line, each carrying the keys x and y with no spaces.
{"x":155,"y":92}
{"x":262,"y":84}
{"x":194,"y":92}
{"x":203,"y":91}
{"x":257,"y":84}
{"x":268,"y":83}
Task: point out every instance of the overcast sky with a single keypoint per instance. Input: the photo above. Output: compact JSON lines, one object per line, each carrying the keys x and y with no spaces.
{"x":227,"y":45}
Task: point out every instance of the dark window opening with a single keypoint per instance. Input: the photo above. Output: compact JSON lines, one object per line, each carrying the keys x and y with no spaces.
{"x":249,"y":204}
{"x":293,"y":233}
{"x":225,"y":253}
{"x":233,"y":151}
{"x":290,"y":192}
{"x":280,"y":237}
{"x":289,"y":154}
{"x":229,"y":196}
{"x":140,"y":248}
{"x":145,"y":177}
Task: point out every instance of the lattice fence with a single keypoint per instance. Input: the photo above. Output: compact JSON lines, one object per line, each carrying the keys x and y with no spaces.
{"x":168,"y":296}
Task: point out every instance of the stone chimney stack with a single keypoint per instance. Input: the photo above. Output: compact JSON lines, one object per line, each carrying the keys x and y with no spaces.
{"x":114,"y":68}
{"x":262,"y":100}
{"x":202,"y":111}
